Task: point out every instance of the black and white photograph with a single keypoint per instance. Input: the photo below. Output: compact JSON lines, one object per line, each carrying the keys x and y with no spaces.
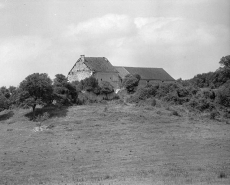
{"x":114,"y":92}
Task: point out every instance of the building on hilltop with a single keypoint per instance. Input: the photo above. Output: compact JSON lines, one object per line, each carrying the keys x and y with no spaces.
{"x":148,"y":75}
{"x":98,"y":67}
{"x":103,"y":70}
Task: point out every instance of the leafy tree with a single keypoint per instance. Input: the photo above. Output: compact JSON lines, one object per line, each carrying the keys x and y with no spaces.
{"x":223,"y":95}
{"x":5,"y":92}
{"x":225,"y":61}
{"x":90,"y":84}
{"x":137,"y":76}
{"x":77,"y":85}
{"x":64,"y":92}
{"x":130,"y":82}
{"x":106,"y":88}
{"x":12,"y":89}
{"x":4,"y":102}
{"x":36,"y":89}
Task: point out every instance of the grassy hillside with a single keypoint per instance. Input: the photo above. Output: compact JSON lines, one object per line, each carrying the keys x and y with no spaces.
{"x":114,"y":144}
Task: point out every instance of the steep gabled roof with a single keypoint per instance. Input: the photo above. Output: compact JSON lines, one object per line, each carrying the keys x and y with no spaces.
{"x":99,"y":64}
{"x":145,"y":73}
{"x":122,"y":71}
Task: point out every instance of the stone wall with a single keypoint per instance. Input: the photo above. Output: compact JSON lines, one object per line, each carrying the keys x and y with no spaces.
{"x":79,"y":72}
{"x":112,"y":78}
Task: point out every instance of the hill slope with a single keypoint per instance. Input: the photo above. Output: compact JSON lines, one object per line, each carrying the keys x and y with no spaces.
{"x":114,"y":144}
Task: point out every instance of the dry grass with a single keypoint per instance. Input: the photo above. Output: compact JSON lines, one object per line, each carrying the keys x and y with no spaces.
{"x":114,"y":144}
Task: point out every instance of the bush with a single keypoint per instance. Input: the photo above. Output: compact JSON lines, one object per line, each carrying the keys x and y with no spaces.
{"x":130,"y":82}
{"x":106,"y":88}
{"x":143,"y":93}
{"x":4,"y":102}
{"x":90,"y":84}
{"x":201,"y":104}
{"x":213,"y":114}
{"x":223,"y":95}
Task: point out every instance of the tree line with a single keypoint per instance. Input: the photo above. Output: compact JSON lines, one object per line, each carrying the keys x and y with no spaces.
{"x":39,"y":89}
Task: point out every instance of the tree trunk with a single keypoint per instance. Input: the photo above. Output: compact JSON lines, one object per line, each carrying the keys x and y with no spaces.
{"x":34,"y":111}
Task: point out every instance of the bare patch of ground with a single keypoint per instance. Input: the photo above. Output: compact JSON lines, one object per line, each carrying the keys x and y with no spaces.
{"x":114,"y":144}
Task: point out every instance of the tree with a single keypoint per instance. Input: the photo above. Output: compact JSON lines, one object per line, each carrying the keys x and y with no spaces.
{"x":130,"y":82}
{"x":90,"y":84}
{"x":12,"y":89}
{"x":5,"y":92}
{"x":64,"y":92}
{"x":223,"y":94}
{"x":4,"y":103}
{"x":225,"y":61}
{"x":106,"y":88}
{"x":36,"y":89}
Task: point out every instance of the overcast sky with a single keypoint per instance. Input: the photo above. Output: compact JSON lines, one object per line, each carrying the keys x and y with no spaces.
{"x":185,"y":37}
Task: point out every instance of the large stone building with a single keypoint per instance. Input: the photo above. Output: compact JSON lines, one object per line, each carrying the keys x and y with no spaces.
{"x":148,"y":75}
{"x":103,"y":70}
{"x":98,"y":67}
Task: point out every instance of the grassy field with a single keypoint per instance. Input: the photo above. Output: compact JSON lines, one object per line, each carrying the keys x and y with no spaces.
{"x":114,"y":144}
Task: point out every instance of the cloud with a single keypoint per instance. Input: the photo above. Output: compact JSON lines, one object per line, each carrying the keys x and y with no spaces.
{"x":173,"y":43}
{"x":18,"y":55}
{"x":182,"y":47}
{"x":112,"y":25}
{"x":2,"y":6}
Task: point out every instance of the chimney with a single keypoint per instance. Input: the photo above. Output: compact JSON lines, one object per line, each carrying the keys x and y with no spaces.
{"x":82,"y":58}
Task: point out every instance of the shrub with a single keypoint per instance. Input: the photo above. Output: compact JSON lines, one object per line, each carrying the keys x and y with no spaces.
{"x":223,"y":95}
{"x":213,"y":114}
{"x":201,"y":104}
{"x":4,"y":102}
{"x":130,"y":82}
{"x":182,"y":92}
{"x":90,"y":84}
{"x":106,"y":88}
{"x":143,"y":93}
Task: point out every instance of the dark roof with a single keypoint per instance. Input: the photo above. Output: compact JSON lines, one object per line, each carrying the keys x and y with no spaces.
{"x":145,"y":73}
{"x":122,"y":71}
{"x":99,"y":64}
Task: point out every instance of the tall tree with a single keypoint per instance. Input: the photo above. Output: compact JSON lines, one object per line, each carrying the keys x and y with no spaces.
{"x":36,"y":89}
{"x":225,"y":61}
{"x":64,"y":92}
{"x":4,"y":102}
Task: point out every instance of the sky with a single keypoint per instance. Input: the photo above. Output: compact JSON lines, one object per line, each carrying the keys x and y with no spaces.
{"x":48,"y":36}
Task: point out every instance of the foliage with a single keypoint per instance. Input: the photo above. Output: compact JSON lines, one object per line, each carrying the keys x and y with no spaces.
{"x":137,"y":76}
{"x":201,"y":104}
{"x":214,"y":114}
{"x":213,"y":79}
{"x":36,"y":89}
{"x":143,"y":93}
{"x":65,"y":93}
{"x":90,"y":84}
{"x":5,"y":92}
{"x":130,"y":82}
{"x":77,"y":85}
{"x":106,"y":88}
{"x":223,"y":95}
{"x":225,"y":61}
{"x":4,"y":102}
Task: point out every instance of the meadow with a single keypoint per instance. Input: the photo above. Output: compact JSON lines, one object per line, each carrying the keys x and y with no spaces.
{"x":114,"y":143}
